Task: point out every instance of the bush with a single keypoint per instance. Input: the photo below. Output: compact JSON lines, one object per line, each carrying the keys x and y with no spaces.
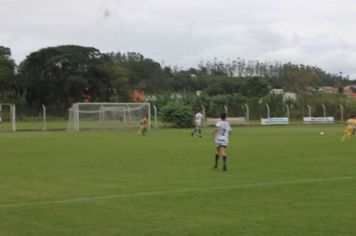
{"x":177,"y":114}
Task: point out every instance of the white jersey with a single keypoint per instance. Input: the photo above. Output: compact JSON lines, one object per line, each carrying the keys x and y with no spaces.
{"x":198,"y":118}
{"x":222,"y":136}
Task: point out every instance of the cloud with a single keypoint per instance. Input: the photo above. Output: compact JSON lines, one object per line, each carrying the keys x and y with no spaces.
{"x":315,"y":32}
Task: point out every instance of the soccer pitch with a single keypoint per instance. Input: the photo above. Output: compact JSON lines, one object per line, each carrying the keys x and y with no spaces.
{"x":283,"y":180}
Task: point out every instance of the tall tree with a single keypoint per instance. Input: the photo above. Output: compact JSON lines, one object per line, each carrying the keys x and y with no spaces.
{"x":8,"y":83}
{"x":57,"y":76}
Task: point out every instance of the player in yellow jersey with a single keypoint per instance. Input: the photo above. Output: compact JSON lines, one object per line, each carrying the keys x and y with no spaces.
{"x":350,"y":128}
{"x":143,"y":126}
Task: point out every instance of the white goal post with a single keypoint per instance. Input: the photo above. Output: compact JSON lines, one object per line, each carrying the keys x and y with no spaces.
{"x":107,"y":115}
{"x":8,"y":110}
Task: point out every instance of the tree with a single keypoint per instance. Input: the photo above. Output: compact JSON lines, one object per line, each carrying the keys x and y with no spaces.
{"x":57,"y":76}
{"x":142,"y":73}
{"x":119,"y":80}
{"x":8,"y":85}
{"x":255,"y":87}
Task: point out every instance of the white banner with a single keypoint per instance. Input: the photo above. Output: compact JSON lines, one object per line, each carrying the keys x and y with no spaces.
{"x":318,"y":120}
{"x":275,"y":121}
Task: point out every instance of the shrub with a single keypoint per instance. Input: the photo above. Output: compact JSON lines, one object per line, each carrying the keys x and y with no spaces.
{"x":177,"y":114}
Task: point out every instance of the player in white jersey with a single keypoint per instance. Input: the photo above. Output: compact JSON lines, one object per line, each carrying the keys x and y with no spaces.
{"x":222,"y":133}
{"x":198,"y":119}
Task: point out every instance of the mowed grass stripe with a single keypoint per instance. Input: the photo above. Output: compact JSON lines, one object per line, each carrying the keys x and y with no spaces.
{"x":142,"y":194}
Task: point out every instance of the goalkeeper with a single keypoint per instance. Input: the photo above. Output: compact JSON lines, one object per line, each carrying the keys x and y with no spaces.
{"x":350,"y":128}
{"x":143,"y":126}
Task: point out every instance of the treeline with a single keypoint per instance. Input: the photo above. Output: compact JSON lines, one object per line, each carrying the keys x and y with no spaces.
{"x":60,"y":76}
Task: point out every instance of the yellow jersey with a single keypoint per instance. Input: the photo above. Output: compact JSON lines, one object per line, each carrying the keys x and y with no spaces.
{"x":144,"y":123}
{"x":351,"y":122}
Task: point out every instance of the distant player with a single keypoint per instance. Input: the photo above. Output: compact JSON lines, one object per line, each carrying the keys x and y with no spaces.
{"x":143,"y":126}
{"x":352,"y":122}
{"x":222,"y":132}
{"x":350,"y":128}
{"x":198,"y":120}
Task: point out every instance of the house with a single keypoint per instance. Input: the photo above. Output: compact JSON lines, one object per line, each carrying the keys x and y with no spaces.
{"x":350,"y":90}
{"x":286,"y":95}
{"x":277,"y":91}
{"x":86,"y":95}
{"x":290,"y":96}
{"x":150,"y":98}
{"x":176,"y":96}
{"x":328,"y":89}
{"x":137,"y":96}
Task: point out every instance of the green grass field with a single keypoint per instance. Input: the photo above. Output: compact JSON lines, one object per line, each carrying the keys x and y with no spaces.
{"x":281,"y":181}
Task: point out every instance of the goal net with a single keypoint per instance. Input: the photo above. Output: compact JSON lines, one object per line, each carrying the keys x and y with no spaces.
{"x":7,"y":117}
{"x":107,"y":115}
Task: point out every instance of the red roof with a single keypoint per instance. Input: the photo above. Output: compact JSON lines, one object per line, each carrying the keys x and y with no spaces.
{"x":137,"y":96}
{"x":350,"y":90}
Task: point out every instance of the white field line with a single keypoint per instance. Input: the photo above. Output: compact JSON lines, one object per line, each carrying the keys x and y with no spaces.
{"x":141,"y":194}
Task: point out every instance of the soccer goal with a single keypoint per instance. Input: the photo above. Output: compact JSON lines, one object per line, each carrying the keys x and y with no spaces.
{"x":7,"y":113}
{"x":86,"y":116}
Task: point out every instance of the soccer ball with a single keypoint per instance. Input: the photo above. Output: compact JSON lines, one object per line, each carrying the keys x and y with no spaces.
{"x":321,"y":133}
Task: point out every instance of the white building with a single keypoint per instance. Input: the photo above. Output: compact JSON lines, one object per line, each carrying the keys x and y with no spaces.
{"x":286,"y":95}
{"x":290,"y":96}
{"x":277,"y":91}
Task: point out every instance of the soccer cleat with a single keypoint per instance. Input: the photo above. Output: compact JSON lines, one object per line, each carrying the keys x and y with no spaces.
{"x":225,"y":168}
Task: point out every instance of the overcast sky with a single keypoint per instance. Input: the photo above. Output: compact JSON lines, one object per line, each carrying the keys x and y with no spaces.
{"x":185,"y":32}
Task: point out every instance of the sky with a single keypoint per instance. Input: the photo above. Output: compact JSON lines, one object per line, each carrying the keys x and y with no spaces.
{"x":186,"y":32}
